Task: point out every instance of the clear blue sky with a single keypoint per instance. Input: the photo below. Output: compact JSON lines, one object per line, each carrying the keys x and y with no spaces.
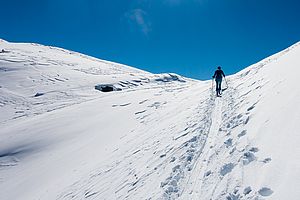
{"x":188,"y":37}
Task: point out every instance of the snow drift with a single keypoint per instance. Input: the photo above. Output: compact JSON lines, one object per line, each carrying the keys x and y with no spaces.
{"x":154,"y":136}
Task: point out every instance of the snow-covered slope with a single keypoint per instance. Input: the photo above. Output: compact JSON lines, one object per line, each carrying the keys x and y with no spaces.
{"x":160,"y":136}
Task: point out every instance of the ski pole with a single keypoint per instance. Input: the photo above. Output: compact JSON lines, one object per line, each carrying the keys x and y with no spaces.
{"x":226,"y":82}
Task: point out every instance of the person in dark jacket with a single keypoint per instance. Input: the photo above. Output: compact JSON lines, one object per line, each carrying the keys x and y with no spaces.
{"x":219,"y":74}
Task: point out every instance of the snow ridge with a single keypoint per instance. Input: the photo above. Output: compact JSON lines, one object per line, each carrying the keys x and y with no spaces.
{"x":155,"y":136}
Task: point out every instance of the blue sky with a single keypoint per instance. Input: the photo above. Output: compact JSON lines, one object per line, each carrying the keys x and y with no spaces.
{"x":188,"y":37}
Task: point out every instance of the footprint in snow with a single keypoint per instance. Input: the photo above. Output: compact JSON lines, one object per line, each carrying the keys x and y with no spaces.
{"x":38,"y":94}
{"x":172,"y":159}
{"x":265,"y":191}
{"x":248,"y":157}
{"x":242,"y":133}
{"x":162,"y":155}
{"x":233,"y":197}
{"x":247,"y":120}
{"x":251,"y":107}
{"x":140,"y":112}
{"x":141,"y":102}
{"x":207,"y":173}
{"x":254,"y":149}
{"x":240,"y":116}
{"x":227,"y":168}
{"x":126,"y":104}
{"x":267,"y":160}
{"x":122,"y":105}
{"x":228,"y":142}
{"x":247,"y":190}
{"x":156,"y":105}
{"x":89,"y":194}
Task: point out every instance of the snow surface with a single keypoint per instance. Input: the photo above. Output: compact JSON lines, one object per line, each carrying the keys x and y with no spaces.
{"x":156,"y":136}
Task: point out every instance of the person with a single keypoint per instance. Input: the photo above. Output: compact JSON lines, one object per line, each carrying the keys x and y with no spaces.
{"x":219,"y":74}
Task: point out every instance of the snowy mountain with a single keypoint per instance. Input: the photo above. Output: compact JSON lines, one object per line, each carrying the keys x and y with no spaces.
{"x":154,"y":136}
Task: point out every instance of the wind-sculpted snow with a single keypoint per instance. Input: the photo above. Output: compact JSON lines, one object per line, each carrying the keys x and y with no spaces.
{"x":62,"y":78}
{"x":153,"y":136}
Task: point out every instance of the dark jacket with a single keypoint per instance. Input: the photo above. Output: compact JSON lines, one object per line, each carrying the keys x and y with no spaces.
{"x":218,"y":74}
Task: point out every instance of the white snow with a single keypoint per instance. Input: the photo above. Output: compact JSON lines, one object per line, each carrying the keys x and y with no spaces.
{"x":156,"y":136}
